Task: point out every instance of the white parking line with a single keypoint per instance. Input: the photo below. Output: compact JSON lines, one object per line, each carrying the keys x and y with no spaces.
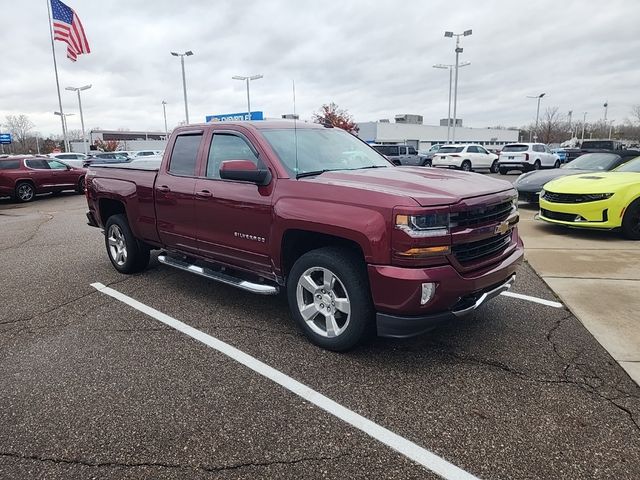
{"x":542,"y":301}
{"x":420,"y":455}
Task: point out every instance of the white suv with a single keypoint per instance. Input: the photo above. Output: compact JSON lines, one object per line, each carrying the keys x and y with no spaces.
{"x":466,"y":157}
{"x":526,"y":157}
{"x":70,"y":158}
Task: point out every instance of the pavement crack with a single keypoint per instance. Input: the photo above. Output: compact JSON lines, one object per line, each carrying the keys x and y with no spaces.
{"x":166,"y":465}
{"x":48,"y":217}
{"x":57,"y":307}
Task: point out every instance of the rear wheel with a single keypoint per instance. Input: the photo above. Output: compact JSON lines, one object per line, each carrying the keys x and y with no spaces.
{"x":25,"y":192}
{"x":126,"y":253}
{"x":466,"y":166}
{"x":631,"y":221}
{"x":329,"y":297}
{"x":494,"y":167}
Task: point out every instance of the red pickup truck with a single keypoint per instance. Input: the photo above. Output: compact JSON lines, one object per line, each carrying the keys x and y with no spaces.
{"x":358,"y":244}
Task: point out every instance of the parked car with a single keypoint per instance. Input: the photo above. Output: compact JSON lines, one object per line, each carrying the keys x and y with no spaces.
{"x":401,"y":155}
{"x":530,"y":184}
{"x":465,"y":157}
{"x":358,"y":244}
{"x":106,"y":157}
{"x":592,"y":146}
{"x":146,"y":153}
{"x":74,"y":159}
{"x":561,"y":153}
{"x":605,"y":201}
{"x":526,"y":157}
{"x":22,"y":177}
{"x":427,"y":156}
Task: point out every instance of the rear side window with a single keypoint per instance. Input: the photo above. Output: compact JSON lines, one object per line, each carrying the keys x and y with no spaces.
{"x":9,"y":164}
{"x":412,"y":151}
{"x":37,"y":164}
{"x":515,"y":148}
{"x":472,"y":149}
{"x":185,"y":155}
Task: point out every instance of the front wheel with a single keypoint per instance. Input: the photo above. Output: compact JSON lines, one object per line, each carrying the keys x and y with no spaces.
{"x":466,"y":166}
{"x":494,"y":167}
{"x":80,"y":188}
{"x":329,"y":297}
{"x":557,"y":164}
{"x":536,"y":165}
{"x":426,"y":163}
{"x":503,"y":171}
{"x":631,"y":221}
{"x":126,"y":253}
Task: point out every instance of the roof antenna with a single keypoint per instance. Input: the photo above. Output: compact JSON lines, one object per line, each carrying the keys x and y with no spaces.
{"x":295,"y":124}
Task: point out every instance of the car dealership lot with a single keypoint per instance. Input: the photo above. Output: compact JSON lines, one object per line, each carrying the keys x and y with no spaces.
{"x":94,"y":388}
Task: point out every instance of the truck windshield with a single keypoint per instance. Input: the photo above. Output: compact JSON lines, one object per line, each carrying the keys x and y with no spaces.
{"x":598,"y":144}
{"x":592,"y":161}
{"x":315,"y":150}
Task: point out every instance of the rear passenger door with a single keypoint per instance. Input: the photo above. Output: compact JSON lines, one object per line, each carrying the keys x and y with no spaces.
{"x":39,"y":172}
{"x":174,"y":193}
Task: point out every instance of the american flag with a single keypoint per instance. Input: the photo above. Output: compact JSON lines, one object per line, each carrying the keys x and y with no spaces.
{"x":68,"y":29}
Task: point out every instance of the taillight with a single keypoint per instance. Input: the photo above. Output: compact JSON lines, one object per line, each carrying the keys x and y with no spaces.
{"x":454,"y":156}
{"x":526,"y":157}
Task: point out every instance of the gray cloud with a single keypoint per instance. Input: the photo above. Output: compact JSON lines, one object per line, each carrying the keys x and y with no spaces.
{"x":373,"y":58}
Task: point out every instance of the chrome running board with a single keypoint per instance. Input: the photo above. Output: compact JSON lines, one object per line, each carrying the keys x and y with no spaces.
{"x":259,"y":288}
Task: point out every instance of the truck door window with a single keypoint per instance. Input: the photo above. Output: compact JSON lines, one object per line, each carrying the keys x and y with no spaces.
{"x":227,"y":147}
{"x":412,"y":151}
{"x":185,"y":155}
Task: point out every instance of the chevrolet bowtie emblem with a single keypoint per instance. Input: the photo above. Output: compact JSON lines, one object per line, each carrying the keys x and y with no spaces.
{"x":502,"y":228}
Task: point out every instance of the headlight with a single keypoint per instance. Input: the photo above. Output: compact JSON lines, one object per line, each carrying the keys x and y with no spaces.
{"x":431,"y":225}
{"x":598,"y":196}
{"x":542,"y":192}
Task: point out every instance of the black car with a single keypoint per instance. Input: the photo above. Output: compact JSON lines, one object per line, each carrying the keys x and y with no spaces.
{"x":102,"y":158}
{"x":530,"y":184}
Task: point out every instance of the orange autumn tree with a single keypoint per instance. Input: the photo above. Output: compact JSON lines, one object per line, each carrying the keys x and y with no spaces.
{"x":331,"y":114}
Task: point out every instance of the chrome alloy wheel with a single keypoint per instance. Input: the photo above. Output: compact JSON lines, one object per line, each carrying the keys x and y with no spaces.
{"x":117,"y":245}
{"x":25,"y":192}
{"x":323,"y":302}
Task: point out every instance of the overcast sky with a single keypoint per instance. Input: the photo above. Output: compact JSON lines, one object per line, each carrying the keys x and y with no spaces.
{"x":373,"y":58}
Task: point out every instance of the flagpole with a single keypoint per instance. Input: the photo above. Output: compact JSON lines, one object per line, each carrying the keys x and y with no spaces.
{"x":55,"y":68}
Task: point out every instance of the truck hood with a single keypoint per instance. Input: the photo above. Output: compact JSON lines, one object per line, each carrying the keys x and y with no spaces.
{"x":605,"y":182}
{"x":427,"y":186}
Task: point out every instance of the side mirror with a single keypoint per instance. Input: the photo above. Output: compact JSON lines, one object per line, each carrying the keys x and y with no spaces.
{"x":244,"y":171}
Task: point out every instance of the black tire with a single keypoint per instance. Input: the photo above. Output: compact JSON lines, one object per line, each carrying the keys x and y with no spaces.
{"x":80,"y":188}
{"x":351,"y":283}
{"x":503,"y":171}
{"x":25,"y":192}
{"x":631,"y":221}
{"x":536,"y":165}
{"x":494,"y":167}
{"x":466,"y":166}
{"x":136,"y":255}
{"x":557,"y":164}
{"x":426,"y":163}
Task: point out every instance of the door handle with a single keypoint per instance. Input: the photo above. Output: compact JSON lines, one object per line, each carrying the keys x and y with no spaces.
{"x":163,"y":189}
{"x":204,"y":194}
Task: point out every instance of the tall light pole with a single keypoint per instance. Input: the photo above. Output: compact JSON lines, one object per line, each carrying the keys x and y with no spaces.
{"x":78,"y":90}
{"x":67,"y":145}
{"x":539,"y":97}
{"x":611,"y":128}
{"x":450,"y":68}
{"x":606,"y":106}
{"x":584,"y":122}
{"x":247,"y":79}
{"x":188,"y":53}
{"x":164,"y":112}
{"x":459,"y":50}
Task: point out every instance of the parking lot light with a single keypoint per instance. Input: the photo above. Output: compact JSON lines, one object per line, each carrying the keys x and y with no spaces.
{"x":450,"y":68}
{"x":539,"y":97}
{"x":247,"y":79}
{"x":78,"y":90}
{"x":188,"y":53}
{"x":458,"y":51}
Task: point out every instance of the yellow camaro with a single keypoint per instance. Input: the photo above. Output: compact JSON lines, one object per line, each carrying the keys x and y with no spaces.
{"x":604,"y":200}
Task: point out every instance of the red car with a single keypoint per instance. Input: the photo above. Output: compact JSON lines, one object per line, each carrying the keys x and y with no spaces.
{"x":358,"y":244}
{"x":22,"y":177}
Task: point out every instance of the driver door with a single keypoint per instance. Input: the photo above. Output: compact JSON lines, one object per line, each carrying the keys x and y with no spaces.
{"x":233,"y":218}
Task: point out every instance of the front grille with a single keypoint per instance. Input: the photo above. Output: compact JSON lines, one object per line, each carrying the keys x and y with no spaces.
{"x":480,"y":215}
{"x":466,"y":252}
{"x":567,"y":197}
{"x":563,"y":217}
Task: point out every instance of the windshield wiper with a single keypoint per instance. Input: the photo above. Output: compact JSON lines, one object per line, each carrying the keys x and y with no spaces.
{"x":312,"y":173}
{"x":371,"y":166}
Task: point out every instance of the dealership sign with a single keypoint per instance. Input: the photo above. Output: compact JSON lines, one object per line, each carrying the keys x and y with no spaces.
{"x":234,"y":117}
{"x":5,"y":138}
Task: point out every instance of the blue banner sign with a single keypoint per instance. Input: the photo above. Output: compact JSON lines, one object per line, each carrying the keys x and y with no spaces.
{"x":5,"y":138}
{"x":234,"y":117}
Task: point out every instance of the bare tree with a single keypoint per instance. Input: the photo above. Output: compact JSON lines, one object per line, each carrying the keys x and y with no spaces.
{"x":635,"y":113}
{"x":553,"y":127}
{"x":19,"y":126}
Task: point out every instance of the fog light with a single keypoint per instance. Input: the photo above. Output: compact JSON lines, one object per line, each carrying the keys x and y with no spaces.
{"x":579,"y":218}
{"x":428,"y":289}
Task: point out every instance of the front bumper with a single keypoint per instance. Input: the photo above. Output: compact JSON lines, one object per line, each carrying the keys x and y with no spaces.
{"x":528,"y":195}
{"x":397,"y":326}
{"x":602,"y":214}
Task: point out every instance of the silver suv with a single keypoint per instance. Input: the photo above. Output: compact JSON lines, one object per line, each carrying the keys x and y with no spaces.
{"x":401,"y":155}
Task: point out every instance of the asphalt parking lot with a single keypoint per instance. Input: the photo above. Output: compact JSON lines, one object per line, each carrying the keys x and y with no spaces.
{"x":92,"y":388}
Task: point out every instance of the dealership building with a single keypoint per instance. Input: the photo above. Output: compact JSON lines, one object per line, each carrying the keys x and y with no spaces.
{"x":410,"y":130}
